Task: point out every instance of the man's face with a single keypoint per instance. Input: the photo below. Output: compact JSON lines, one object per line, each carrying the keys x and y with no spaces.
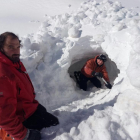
{"x":11,"y":48}
{"x":100,"y":62}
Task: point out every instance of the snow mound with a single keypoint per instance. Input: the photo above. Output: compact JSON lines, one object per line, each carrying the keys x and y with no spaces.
{"x":62,"y":45}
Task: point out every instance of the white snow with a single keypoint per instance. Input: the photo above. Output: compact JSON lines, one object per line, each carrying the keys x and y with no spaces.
{"x":61,"y":45}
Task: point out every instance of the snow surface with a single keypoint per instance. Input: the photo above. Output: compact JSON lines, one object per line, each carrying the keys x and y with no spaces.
{"x":25,"y":16}
{"x":61,"y":45}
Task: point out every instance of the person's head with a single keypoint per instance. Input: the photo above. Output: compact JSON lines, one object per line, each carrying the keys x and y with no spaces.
{"x":101,"y":59}
{"x":10,"y":46}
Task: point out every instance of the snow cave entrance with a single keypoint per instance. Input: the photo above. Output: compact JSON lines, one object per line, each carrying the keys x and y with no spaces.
{"x":111,"y":68}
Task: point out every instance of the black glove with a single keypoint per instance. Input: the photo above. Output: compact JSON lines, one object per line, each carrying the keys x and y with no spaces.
{"x":108,"y":85}
{"x":99,"y":74}
{"x":93,"y":73}
{"x":34,"y":135}
{"x":51,"y":120}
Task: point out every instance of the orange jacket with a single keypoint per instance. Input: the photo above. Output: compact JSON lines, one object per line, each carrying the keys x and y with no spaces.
{"x":17,"y":98}
{"x":91,"y":65}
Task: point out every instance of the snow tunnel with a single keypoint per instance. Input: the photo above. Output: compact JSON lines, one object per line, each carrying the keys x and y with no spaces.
{"x":111,"y":68}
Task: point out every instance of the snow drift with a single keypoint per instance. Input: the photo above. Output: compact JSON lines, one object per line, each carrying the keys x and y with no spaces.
{"x":62,"y":45}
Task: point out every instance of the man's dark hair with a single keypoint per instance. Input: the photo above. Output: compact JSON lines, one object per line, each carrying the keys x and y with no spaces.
{"x":4,"y":36}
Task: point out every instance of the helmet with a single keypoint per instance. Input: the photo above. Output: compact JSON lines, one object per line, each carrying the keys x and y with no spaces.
{"x":102,"y":57}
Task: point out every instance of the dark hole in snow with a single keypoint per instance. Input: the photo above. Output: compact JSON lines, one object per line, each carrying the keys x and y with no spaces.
{"x":111,"y":68}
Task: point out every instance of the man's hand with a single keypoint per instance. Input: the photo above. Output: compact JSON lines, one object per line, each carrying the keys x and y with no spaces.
{"x":52,"y":120}
{"x":99,"y":74}
{"x":108,"y":85}
{"x":34,"y":135}
{"x":93,"y":73}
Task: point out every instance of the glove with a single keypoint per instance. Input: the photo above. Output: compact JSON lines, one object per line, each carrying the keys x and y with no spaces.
{"x":51,"y":120}
{"x":93,"y":73}
{"x":34,"y":135}
{"x":99,"y":74}
{"x":108,"y":85}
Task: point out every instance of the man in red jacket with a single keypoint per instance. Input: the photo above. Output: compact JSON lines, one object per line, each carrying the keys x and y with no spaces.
{"x":21,"y":116}
{"x":94,"y":67}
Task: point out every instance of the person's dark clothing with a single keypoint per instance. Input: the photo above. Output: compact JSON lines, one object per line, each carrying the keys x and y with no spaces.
{"x":34,"y":135}
{"x":90,"y":71}
{"x":84,"y":80}
{"x":40,"y":119}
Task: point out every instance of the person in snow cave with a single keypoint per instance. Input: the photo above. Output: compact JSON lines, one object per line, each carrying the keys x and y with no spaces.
{"x":91,"y":70}
{"x":21,"y":116}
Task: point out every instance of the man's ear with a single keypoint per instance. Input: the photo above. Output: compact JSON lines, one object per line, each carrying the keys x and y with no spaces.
{"x":2,"y":50}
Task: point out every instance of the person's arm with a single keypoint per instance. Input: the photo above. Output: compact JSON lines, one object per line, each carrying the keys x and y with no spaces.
{"x":8,"y":104}
{"x":88,"y":68}
{"x":105,"y":74}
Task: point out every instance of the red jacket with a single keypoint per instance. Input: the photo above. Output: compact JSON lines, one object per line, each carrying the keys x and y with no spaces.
{"x":17,"y":98}
{"x":91,"y":65}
